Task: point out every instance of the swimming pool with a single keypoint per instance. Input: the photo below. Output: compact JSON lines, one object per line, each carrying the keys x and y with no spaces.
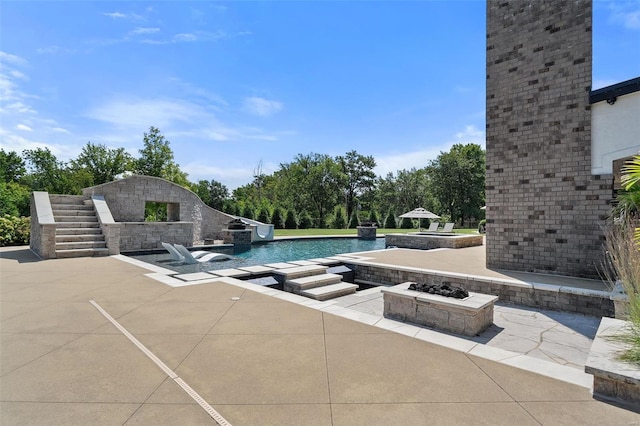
{"x":271,"y":252}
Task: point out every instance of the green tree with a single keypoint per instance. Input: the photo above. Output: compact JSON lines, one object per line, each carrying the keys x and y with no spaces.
{"x":11,"y":166}
{"x":305,"y":220}
{"x":46,"y":173}
{"x":458,"y":181}
{"x":249,"y":212}
{"x":354,"y":221}
{"x":156,"y":159}
{"x":277,"y":218}
{"x":290,"y":221}
{"x":212,"y":193}
{"x":263,"y":215}
{"x":357,"y":177}
{"x":14,"y":199}
{"x":339,"y":219}
{"x":390,"y":221}
{"x":102,"y":163}
{"x":313,"y":182}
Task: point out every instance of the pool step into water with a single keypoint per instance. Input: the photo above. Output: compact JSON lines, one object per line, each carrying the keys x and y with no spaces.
{"x":314,"y":282}
{"x":330,"y":291}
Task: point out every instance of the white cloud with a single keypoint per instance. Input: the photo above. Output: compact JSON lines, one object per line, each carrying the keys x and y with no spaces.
{"x":12,"y":59}
{"x":18,"y":74}
{"x":261,"y":106}
{"x":24,"y":127}
{"x":115,"y":15}
{"x":627,"y":14}
{"x":144,"y":30}
{"x":185,"y":37}
{"x":391,"y":163}
{"x":59,"y":130}
{"x":471,"y":134}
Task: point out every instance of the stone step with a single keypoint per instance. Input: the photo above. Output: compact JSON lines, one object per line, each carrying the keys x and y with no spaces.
{"x":330,"y":291}
{"x":63,"y":230}
{"x":76,"y":219}
{"x":305,"y":283}
{"x":76,"y":238}
{"x":82,"y":252}
{"x":78,"y":245}
{"x":66,"y":199}
{"x":78,"y":207}
{"x":76,"y":225}
{"x":284,"y":275}
{"x":75,"y":212}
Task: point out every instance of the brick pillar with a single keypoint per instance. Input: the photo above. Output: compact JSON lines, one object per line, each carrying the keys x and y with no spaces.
{"x":545,"y":210}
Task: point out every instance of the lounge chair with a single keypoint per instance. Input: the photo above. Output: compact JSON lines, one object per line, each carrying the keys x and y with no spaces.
{"x":448,"y":227}
{"x":209,"y":257}
{"x":433,"y":226}
{"x":175,"y":254}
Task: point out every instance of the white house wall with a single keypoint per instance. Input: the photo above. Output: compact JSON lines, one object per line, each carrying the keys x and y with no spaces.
{"x":615,"y":132}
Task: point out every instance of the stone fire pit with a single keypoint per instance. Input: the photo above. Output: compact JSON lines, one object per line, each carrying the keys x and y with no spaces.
{"x":468,"y":316}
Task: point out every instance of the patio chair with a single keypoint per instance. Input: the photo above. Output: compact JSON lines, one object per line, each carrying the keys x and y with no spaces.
{"x":175,"y":254}
{"x":448,"y":227}
{"x":209,"y":257}
{"x":433,"y":226}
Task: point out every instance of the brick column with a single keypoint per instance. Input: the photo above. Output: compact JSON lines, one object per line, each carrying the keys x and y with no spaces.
{"x":545,"y":210}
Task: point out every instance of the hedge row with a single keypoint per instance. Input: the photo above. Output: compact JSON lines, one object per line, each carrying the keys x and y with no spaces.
{"x":14,"y":231}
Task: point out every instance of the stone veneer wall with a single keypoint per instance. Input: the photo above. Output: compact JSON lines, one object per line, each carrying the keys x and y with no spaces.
{"x":126,"y":199}
{"x":588,"y":302}
{"x":545,"y":210}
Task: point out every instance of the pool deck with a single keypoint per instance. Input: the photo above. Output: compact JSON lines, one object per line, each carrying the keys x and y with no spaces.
{"x":253,"y":355}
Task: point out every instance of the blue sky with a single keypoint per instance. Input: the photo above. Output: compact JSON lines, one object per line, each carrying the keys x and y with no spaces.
{"x":236,"y":84}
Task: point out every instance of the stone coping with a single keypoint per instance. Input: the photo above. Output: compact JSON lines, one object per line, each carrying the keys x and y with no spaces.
{"x":480,"y":278}
{"x":605,"y":350}
{"x":474,"y":302}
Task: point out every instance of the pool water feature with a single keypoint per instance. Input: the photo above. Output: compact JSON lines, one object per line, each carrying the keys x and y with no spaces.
{"x":270,"y":252}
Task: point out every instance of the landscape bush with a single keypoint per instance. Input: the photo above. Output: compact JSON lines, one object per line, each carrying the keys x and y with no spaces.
{"x":390,"y":221}
{"x":354,"y":221}
{"x":339,"y":219}
{"x":277,"y":218}
{"x":290,"y":221}
{"x":14,"y":231}
{"x":305,"y":221}
{"x":406,"y":223}
{"x":263,"y":215}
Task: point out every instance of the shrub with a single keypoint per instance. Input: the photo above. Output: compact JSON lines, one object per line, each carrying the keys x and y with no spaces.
{"x":482,"y":226}
{"x":354,"y":221}
{"x":305,"y":221}
{"x":390,"y":221}
{"x":248,"y":212}
{"x":263,"y":215}
{"x":622,"y":264}
{"x":373,"y":217}
{"x":406,"y":223}
{"x":339,"y":220}
{"x":14,"y":231}
{"x":290,"y":221}
{"x":277,"y":219}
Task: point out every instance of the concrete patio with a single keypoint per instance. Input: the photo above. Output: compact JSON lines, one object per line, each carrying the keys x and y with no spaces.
{"x":253,"y":357}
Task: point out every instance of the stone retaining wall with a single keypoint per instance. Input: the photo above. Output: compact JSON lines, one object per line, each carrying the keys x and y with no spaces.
{"x":426,"y":241}
{"x":148,"y":235}
{"x":569,"y":299}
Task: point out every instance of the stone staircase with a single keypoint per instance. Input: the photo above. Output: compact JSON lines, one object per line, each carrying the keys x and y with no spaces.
{"x":78,"y":232}
{"x":314,"y":282}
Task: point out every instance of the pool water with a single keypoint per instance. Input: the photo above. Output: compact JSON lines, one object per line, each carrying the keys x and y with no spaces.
{"x":271,"y":252}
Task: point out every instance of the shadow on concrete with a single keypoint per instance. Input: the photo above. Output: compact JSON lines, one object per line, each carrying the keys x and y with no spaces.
{"x":24,"y":255}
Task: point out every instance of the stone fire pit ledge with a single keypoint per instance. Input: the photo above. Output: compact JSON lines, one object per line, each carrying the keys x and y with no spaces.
{"x":468,"y":316}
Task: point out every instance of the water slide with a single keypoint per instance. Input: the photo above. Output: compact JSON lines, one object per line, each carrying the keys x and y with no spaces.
{"x":259,"y":231}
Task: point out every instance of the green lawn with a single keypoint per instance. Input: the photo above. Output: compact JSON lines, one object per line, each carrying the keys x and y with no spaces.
{"x":353,"y":232}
